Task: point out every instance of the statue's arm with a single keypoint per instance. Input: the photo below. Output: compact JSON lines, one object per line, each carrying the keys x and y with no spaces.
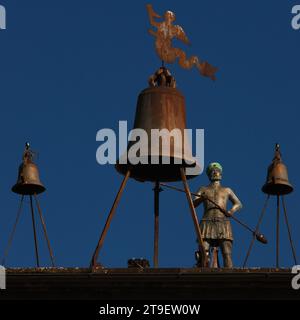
{"x":180,"y":34}
{"x":152,"y":14}
{"x":152,"y":32}
{"x":199,"y":199}
{"x":236,"y":203}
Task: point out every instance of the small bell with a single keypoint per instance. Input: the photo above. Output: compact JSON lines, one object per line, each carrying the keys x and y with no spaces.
{"x":277,"y":179}
{"x":28,"y":182}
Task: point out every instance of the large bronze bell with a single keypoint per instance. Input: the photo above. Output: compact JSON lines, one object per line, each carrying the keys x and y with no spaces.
{"x":277,"y":177}
{"x":160,"y":106}
{"x":28,"y":182}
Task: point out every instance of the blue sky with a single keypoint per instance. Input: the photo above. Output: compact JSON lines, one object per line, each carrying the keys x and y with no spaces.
{"x":70,"y":68}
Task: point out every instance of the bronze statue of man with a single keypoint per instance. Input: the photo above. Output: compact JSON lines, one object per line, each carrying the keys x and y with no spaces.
{"x":215,"y":225}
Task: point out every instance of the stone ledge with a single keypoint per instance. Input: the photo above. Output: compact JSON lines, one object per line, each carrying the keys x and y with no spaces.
{"x":148,"y":284}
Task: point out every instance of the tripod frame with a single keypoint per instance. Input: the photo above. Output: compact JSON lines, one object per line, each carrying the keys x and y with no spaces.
{"x":157,"y":190}
{"x":34,"y":230}
{"x":277,"y":229}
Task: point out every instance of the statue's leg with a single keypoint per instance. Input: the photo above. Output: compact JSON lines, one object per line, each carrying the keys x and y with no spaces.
{"x":206,"y":245}
{"x":215,"y":258}
{"x":226,"y":248}
{"x":198,"y":254}
{"x":183,"y":61}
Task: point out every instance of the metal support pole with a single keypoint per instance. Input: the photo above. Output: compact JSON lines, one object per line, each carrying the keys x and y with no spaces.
{"x":108,"y":220}
{"x":194,"y":217}
{"x":156,"y":223}
{"x":45,"y":230}
{"x":34,"y":234}
{"x":289,"y":231}
{"x":277,"y":231}
{"x":256,"y":230}
{"x":13,"y":231}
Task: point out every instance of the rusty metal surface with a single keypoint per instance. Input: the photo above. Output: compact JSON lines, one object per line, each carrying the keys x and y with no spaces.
{"x":162,"y":78}
{"x":165,"y":32}
{"x":277,"y":182}
{"x":160,"y":107}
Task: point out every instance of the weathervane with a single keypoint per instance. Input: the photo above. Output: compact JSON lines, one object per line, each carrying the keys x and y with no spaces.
{"x":166,"y":31}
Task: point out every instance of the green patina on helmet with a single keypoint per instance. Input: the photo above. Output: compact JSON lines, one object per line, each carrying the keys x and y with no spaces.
{"x":212,"y":166}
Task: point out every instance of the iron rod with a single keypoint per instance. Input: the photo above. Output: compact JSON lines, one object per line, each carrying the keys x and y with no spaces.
{"x":34,"y":234}
{"x":156,"y":223}
{"x":194,"y":217}
{"x":108,"y":220}
{"x":45,"y":230}
{"x":277,"y":231}
{"x":289,"y":231}
{"x":13,"y":231}
{"x":256,"y":230}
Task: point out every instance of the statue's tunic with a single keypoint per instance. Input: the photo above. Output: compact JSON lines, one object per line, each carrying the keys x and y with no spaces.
{"x":214,"y":224}
{"x":216,"y":229}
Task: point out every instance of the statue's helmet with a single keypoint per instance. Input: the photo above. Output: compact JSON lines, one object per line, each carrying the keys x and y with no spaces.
{"x":212,"y":166}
